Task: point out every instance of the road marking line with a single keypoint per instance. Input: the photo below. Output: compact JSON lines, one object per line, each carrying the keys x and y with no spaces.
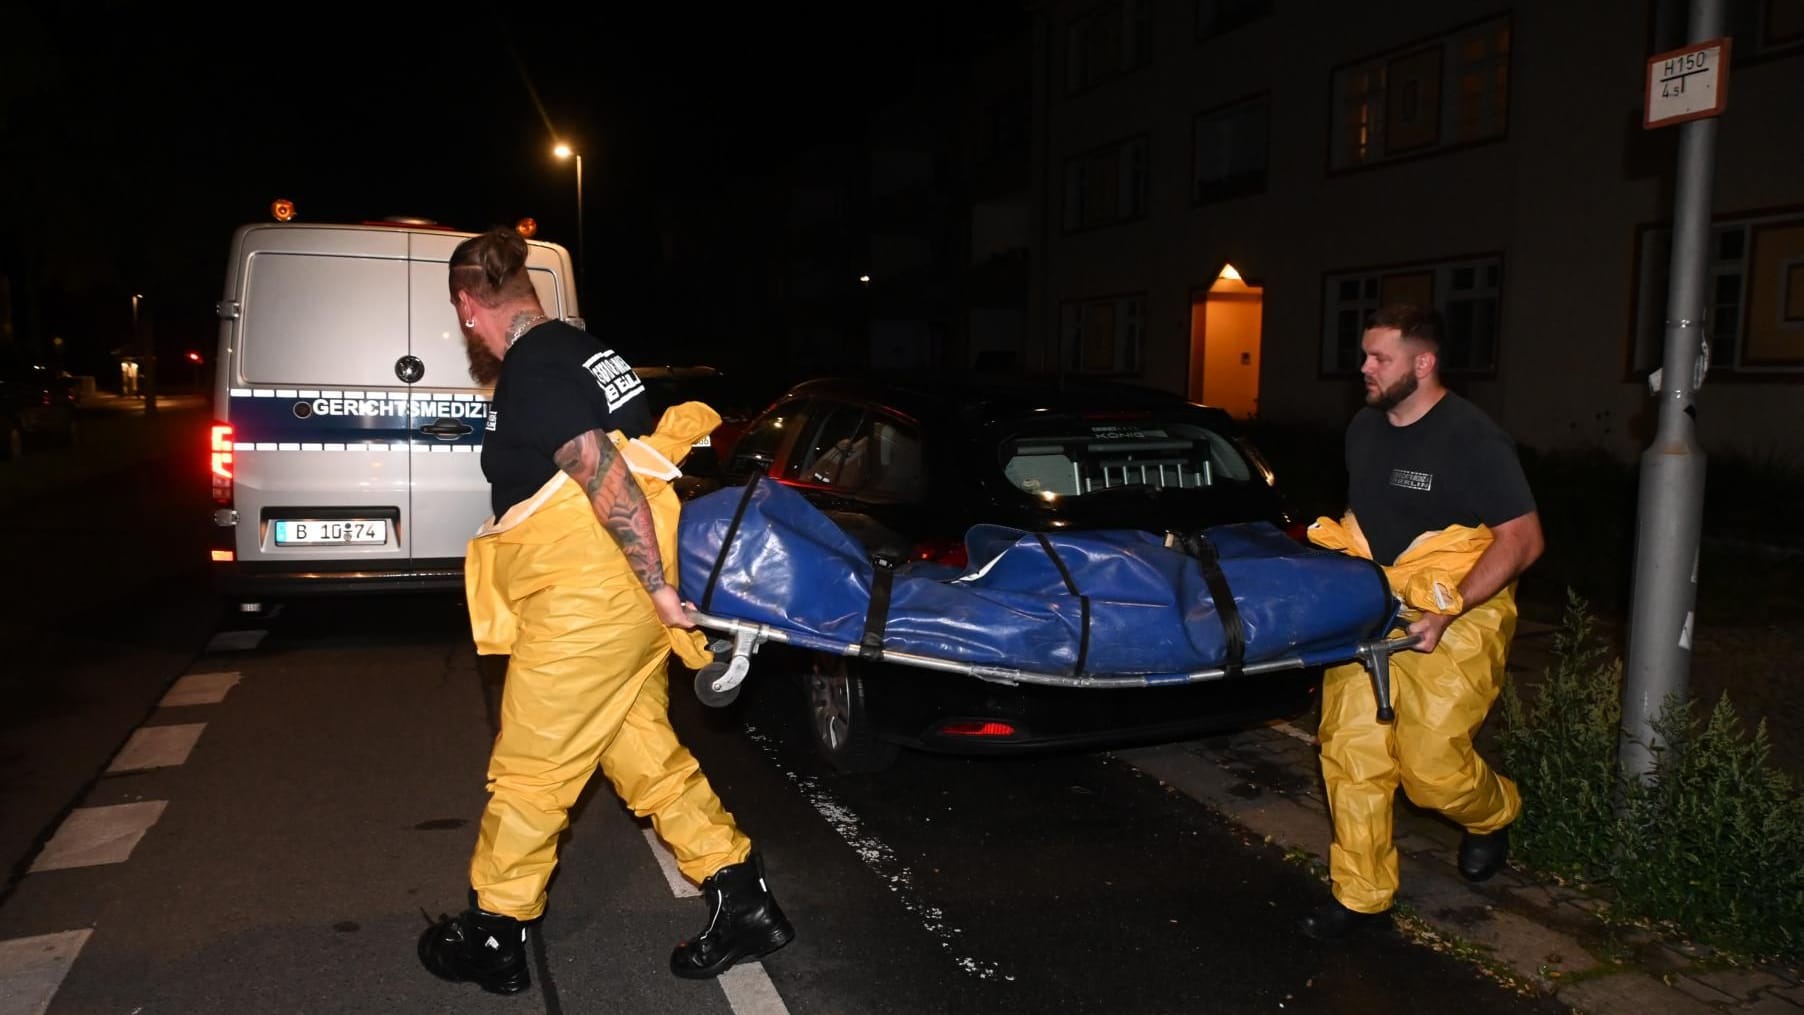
{"x":32,"y":968}
{"x":679,"y":885}
{"x":750,"y":992}
{"x":1295,"y":733}
{"x":882,"y":861}
{"x":200,"y":689}
{"x":157,"y":747}
{"x":747,"y":986}
{"x":236,"y":641}
{"x":91,"y":836}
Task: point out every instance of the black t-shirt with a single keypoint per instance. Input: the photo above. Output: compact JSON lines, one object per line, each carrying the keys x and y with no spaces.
{"x":1454,"y":466}
{"x":557,"y":381}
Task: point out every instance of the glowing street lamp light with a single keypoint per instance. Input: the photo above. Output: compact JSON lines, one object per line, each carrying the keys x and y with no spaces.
{"x":564,"y":151}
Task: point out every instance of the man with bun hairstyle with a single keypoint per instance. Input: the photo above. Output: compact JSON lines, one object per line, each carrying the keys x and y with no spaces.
{"x":574,"y":578}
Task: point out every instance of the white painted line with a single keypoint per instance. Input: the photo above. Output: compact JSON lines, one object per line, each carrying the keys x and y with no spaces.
{"x":750,"y":992}
{"x":1294,"y":733}
{"x":91,"y":836}
{"x":32,"y":968}
{"x":747,"y":986}
{"x":679,"y":885}
{"x":883,"y":862}
{"x":157,"y":747}
{"x":235,"y":641}
{"x":200,"y":689}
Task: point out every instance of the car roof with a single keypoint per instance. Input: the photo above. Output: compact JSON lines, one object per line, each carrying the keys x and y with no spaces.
{"x":980,"y":397}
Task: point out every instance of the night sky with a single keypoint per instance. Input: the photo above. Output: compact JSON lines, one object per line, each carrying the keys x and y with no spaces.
{"x":133,"y":139}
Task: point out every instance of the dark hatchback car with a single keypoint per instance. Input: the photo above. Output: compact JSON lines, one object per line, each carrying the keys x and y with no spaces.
{"x":907,"y":465}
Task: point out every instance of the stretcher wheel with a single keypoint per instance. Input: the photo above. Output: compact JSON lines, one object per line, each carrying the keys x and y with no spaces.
{"x":705,"y":679}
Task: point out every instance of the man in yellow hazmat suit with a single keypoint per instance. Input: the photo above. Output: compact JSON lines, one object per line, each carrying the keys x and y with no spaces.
{"x":574,"y":578}
{"x":1436,"y":494}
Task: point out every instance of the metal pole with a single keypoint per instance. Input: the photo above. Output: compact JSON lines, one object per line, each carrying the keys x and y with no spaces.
{"x":1672,"y":468}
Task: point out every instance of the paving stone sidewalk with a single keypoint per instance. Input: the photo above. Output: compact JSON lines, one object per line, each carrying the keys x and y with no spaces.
{"x":1267,"y":780}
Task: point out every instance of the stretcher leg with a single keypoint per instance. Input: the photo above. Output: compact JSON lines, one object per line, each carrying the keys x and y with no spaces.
{"x":717,"y":684}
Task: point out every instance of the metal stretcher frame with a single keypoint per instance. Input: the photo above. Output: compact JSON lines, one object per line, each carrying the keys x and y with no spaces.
{"x":717,"y":684}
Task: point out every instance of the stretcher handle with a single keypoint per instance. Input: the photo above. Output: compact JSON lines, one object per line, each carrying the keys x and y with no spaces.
{"x":1376,"y":655}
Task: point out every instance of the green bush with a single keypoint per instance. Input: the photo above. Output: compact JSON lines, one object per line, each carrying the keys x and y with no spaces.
{"x":1712,"y":842}
{"x":1561,"y":749}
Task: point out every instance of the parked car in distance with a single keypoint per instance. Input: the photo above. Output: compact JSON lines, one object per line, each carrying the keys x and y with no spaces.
{"x":907,"y":464}
{"x":37,"y":407}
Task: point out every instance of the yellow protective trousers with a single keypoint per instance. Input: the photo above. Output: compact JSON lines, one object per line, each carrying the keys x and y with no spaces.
{"x":586,"y":685}
{"x":1441,"y":699}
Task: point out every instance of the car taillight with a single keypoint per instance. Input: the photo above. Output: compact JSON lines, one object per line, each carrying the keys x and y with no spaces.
{"x":221,"y":463}
{"x":941,"y":551}
{"x":978,"y":728}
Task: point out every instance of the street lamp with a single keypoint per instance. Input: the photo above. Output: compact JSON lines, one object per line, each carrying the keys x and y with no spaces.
{"x":564,"y":151}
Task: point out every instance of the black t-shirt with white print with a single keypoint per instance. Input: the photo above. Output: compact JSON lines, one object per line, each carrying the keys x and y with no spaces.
{"x":557,"y":381}
{"x":1454,"y":466}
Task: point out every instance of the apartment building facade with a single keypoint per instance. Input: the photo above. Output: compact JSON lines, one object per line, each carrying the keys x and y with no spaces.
{"x":1224,"y":189}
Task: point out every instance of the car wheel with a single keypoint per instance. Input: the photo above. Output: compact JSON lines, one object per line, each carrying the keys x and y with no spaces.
{"x":839,"y":718}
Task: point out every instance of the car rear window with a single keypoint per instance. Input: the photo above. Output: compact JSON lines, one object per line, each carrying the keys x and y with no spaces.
{"x":1075,"y":457}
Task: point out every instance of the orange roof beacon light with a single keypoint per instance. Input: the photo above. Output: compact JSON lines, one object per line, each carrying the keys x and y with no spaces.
{"x":282,"y":208}
{"x":527,"y":227}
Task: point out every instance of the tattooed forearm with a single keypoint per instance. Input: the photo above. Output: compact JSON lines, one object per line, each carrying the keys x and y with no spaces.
{"x":593,"y":461}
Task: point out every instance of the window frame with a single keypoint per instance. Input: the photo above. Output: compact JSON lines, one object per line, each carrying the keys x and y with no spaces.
{"x":1644,"y":353}
{"x":1129,"y":357}
{"x":1365,"y":305}
{"x":1229,"y":193}
{"x":1137,"y":54}
{"x":1120,"y":148}
{"x":1446,"y":143}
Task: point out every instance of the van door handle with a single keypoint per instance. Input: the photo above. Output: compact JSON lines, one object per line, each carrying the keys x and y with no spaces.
{"x":446,"y":428}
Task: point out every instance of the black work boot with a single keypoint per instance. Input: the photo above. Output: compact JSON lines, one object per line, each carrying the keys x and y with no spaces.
{"x":1481,"y":856}
{"x":1334,"y":921}
{"x":486,"y":948}
{"x":744,"y":922}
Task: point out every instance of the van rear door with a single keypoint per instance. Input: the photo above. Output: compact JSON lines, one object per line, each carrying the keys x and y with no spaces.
{"x":450,"y":497}
{"x":318,"y":413}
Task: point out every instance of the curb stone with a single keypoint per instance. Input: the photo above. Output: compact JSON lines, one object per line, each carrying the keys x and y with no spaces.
{"x":1266,"y":780}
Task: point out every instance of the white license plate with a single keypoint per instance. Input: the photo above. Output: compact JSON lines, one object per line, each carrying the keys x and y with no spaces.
{"x":333,"y":531}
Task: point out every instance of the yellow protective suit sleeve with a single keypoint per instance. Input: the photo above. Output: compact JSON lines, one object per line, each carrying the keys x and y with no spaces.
{"x":1427,"y":574}
{"x":559,"y":507}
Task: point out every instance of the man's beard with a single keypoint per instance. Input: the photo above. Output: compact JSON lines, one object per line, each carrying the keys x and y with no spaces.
{"x":1389,"y":398}
{"x":484,"y":366}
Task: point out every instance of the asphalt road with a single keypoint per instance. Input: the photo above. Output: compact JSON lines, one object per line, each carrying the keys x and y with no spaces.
{"x":326,"y":803}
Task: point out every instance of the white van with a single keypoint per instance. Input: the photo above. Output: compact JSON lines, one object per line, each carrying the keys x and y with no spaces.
{"x":346,"y":448}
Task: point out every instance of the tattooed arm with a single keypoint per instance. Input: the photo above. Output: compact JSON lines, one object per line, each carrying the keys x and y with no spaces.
{"x":593,"y":461}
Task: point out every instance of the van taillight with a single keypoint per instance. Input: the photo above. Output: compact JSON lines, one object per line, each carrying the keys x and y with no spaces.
{"x":221,"y":462}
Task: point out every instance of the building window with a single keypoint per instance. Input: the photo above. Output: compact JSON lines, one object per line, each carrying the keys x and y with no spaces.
{"x":1218,"y":17}
{"x":1467,"y":292}
{"x":1229,"y":151}
{"x":1102,"y":336}
{"x":1764,"y":28}
{"x":1446,"y":92}
{"x":1753,"y":292}
{"x":1106,"y":186}
{"x":1107,"y":41}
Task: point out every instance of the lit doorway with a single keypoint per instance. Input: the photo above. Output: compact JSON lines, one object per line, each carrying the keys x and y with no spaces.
{"x":1225,"y":326}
